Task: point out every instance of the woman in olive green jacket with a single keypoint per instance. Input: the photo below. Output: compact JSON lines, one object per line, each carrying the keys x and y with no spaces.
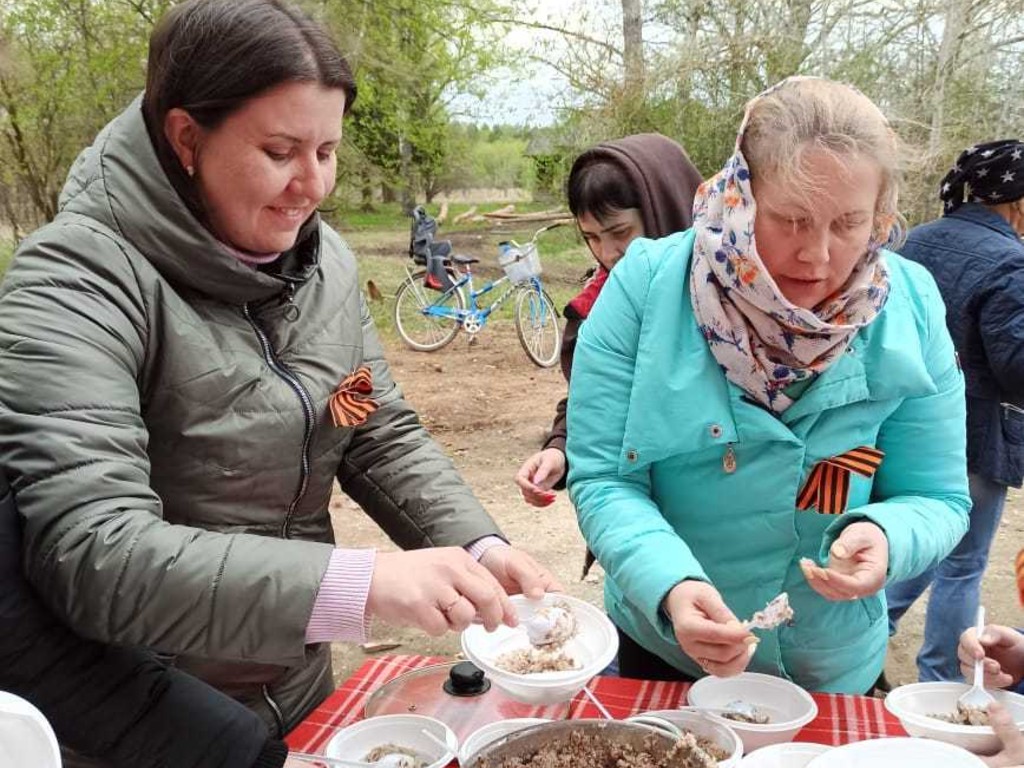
{"x":187,"y":366}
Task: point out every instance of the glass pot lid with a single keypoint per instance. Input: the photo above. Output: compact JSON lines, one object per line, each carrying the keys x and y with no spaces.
{"x":457,"y":693}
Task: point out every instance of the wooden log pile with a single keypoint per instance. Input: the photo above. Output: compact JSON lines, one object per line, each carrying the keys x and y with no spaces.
{"x":507,"y":214}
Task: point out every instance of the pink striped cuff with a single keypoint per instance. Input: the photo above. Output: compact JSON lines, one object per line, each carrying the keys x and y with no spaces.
{"x":339,"y":611}
{"x":477,"y":548}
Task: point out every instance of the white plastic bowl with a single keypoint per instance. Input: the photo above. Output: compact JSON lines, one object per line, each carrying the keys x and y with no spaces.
{"x":26,"y":737}
{"x":358,"y":739}
{"x":594,"y":646}
{"x":788,"y":705}
{"x":913,"y":704}
{"x":485,"y":734}
{"x":701,"y":725}
{"x":904,"y":753}
{"x":793,"y":754}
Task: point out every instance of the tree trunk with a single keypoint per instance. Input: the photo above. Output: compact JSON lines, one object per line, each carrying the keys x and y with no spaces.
{"x":406,"y":176}
{"x":789,"y":55}
{"x":955,"y":17}
{"x":366,"y":192}
{"x":633,"y":44}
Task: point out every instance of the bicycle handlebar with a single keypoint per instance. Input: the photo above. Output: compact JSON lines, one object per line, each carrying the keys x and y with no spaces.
{"x":539,"y":232}
{"x":546,"y":227}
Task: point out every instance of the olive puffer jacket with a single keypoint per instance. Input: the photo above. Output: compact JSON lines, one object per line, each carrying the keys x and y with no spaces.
{"x":164,"y":423}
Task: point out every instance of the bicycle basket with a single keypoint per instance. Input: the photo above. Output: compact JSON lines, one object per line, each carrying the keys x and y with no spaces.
{"x":520,"y":265}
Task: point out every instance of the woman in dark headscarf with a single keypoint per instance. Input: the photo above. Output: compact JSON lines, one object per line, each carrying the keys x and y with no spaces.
{"x":637,"y":186}
{"x":975,"y":254}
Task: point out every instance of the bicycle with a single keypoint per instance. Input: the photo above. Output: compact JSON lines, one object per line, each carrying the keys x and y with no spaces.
{"x":431,"y":304}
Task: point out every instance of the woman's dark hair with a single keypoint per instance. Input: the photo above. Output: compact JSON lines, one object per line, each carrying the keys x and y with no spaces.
{"x":599,"y":187}
{"x":209,"y":57}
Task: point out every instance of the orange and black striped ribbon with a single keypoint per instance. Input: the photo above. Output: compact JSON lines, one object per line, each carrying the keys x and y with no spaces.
{"x":1020,"y":576}
{"x":351,"y":403}
{"x":828,"y":487}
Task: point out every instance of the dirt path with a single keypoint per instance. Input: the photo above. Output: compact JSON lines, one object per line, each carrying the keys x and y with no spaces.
{"x":489,"y":407}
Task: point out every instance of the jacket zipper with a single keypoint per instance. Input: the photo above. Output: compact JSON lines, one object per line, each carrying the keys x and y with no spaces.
{"x":274,"y":710}
{"x":307,"y":408}
{"x":291,"y":309}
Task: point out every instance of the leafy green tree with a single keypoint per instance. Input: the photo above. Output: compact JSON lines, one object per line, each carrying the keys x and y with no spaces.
{"x":412,"y":57}
{"x":69,"y":67}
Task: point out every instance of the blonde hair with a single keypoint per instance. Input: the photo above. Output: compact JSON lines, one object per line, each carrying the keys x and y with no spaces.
{"x":804,"y":114}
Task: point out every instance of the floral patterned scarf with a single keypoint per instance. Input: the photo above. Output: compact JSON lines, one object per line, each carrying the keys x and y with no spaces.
{"x":762,"y":341}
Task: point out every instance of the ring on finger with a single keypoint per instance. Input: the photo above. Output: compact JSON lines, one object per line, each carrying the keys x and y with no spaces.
{"x":446,"y":609}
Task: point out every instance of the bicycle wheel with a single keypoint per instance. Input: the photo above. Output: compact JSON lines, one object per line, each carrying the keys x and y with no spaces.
{"x":419,"y":328}
{"x":537,"y":325}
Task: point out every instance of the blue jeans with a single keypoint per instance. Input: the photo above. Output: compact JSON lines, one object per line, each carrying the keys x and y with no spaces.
{"x":956,"y":586}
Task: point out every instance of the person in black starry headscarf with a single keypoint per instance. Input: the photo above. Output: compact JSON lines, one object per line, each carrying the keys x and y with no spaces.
{"x":987,"y":174}
{"x":975,"y":253}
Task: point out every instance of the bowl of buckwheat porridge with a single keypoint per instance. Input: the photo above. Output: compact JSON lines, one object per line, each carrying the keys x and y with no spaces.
{"x":560,"y":644}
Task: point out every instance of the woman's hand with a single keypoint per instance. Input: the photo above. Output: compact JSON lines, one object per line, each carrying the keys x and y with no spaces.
{"x":539,"y":474}
{"x":1012,"y":753}
{"x":857,"y":564}
{"x":437,"y":590}
{"x":706,"y":630}
{"x":517,"y":572}
{"x":1003,"y":651}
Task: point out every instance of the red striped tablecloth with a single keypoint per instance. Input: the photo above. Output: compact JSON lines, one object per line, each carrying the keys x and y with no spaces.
{"x":841,"y":719}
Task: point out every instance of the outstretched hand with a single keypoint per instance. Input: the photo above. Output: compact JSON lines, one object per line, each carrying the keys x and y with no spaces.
{"x":438,"y":589}
{"x":1001,"y":647}
{"x":857,"y":563}
{"x":706,"y":630}
{"x":517,"y":572}
{"x":538,"y":476}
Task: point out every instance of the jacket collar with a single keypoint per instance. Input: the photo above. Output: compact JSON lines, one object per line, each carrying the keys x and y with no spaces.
{"x":979,"y":214}
{"x":119,"y":181}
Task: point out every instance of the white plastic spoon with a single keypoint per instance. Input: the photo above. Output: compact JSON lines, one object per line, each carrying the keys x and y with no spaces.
{"x":437,"y":740}
{"x":977,"y":697}
{"x":600,"y":707}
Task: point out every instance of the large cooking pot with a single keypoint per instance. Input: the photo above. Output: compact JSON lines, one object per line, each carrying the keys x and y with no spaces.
{"x":526,"y":742}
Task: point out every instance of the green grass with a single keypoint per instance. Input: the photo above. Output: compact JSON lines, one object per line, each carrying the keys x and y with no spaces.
{"x":6,"y":253}
{"x":390,"y":216}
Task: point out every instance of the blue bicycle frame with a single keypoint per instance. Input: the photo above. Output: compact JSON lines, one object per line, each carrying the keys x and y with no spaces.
{"x":474,"y":317}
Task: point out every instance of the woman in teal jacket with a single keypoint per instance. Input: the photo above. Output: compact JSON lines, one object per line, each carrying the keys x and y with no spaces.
{"x":770,"y":402}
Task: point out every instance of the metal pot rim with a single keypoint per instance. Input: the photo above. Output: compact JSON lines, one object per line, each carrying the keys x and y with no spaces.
{"x":528,"y":740}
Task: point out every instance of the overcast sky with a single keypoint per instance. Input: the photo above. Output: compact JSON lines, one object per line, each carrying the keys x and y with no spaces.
{"x":532,"y":96}
{"x":517,"y":100}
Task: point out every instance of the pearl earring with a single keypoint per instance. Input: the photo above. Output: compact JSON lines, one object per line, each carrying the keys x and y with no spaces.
{"x":190,"y":170}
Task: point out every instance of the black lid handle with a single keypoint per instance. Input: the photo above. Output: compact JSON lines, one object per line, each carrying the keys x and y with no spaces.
{"x":466,"y":679}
